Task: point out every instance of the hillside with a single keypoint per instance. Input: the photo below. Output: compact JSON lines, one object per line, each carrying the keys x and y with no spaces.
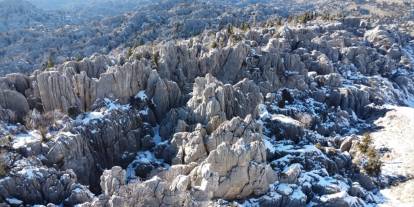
{"x":242,"y":103}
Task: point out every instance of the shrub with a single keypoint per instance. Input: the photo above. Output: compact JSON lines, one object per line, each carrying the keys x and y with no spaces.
{"x":235,"y":38}
{"x":372,"y":164}
{"x":365,"y":143}
{"x":50,"y":63}
{"x":78,"y":57}
{"x":42,"y":122}
{"x":287,"y":96}
{"x":130,"y":52}
{"x":319,"y":146}
{"x":214,"y":45}
{"x":155,"y":58}
{"x":230,"y":29}
{"x":281,"y":104}
{"x":74,"y":111}
{"x":2,"y":169}
{"x":190,"y":43}
{"x":245,"y":26}
{"x":5,"y":140}
{"x":3,"y":166}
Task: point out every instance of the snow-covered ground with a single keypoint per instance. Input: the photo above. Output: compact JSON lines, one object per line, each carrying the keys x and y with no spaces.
{"x":397,"y":134}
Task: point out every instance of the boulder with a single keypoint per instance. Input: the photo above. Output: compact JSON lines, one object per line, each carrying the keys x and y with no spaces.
{"x":284,"y":127}
{"x":290,"y":174}
{"x":341,"y":199}
{"x":15,"y":102}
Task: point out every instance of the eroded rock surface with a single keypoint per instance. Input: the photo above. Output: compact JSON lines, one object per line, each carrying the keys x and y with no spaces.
{"x":266,"y":116}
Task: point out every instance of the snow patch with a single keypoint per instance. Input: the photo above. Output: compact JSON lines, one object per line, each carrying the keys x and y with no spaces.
{"x":30,"y":173}
{"x":97,"y":115}
{"x":14,"y":201}
{"x":141,"y":95}
{"x":269,"y":145}
{"x":22,"y":140}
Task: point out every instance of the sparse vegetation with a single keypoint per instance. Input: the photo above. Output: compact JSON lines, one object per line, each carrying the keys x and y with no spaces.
{"x":50,"y":63}
{"x":79,"y":57}
{"x":155,"y":58}
{"x":214,"y":45}
{"x":5,"y":140}
{"x":287,"y":96}
{"x":245,"y":26}
{"x":230,"y":29}
{"x":306,"y":17}
{"x":372,"y":164}
{"x":365,"y":143}
{"x":319,"y":146}
{"x":190,"y":43}
{"x":2,"y":168}
{"x":235,"y":38}
{"x":43,"y":122}
{"x":129,"y":52}
{"x":281,"y":103}
{"x":3,"y":165}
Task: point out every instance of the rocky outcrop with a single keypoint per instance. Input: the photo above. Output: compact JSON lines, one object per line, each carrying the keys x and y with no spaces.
{"x":233,"y":168}
{"x":190,"y":146}
{"x":100,"y":140}
{"x":349,"y":99}
{"x":236,"y":165}
{"x":94,"y":66}
{"x":165,"y":94}
{"x":214,"y":101}
{"x":191,"y":126}
{"x":56,"y":91}
{"x":14,"y":101}
{"x":33,"y":184}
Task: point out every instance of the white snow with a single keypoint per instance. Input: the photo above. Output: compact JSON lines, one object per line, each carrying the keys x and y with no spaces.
{"x":263,"y":113}
{"x":326,"y":198}
{"x":144,"y":157}
{"x":157,"y":137}
{"x":30,"y":172}
{"x":284,"y":119}
{"x":69,"y":134}
{"x":409,"y":52}
{"x":97,"y":115}
{"x":298,"y":195}
{"x":397,"y":134}
{"x":269,"y":145}
{"x":284,"y":189}
{"x":22,"y":140}
{"x":14,"y":201}
{"x":113,"y":105}
{"x":143,"y":111}
{"x":92,"y":116}
{"x":141,"y":95}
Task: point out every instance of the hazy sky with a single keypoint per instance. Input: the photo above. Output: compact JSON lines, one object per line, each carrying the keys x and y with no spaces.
{"x":60,"y":4}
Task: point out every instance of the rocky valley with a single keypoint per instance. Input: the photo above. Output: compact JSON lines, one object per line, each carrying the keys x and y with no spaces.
{"x":209,"y":103}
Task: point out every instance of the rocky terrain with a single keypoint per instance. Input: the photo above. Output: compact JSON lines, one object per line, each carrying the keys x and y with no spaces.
{"x":39,"y":36}
{"x":309,"y":110}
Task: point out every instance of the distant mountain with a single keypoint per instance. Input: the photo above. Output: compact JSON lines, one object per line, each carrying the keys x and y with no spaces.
{"x":19,"y":14}
{"x":58,"y":4}
{"x":100,"y":6}
{"x":31,"y":31}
